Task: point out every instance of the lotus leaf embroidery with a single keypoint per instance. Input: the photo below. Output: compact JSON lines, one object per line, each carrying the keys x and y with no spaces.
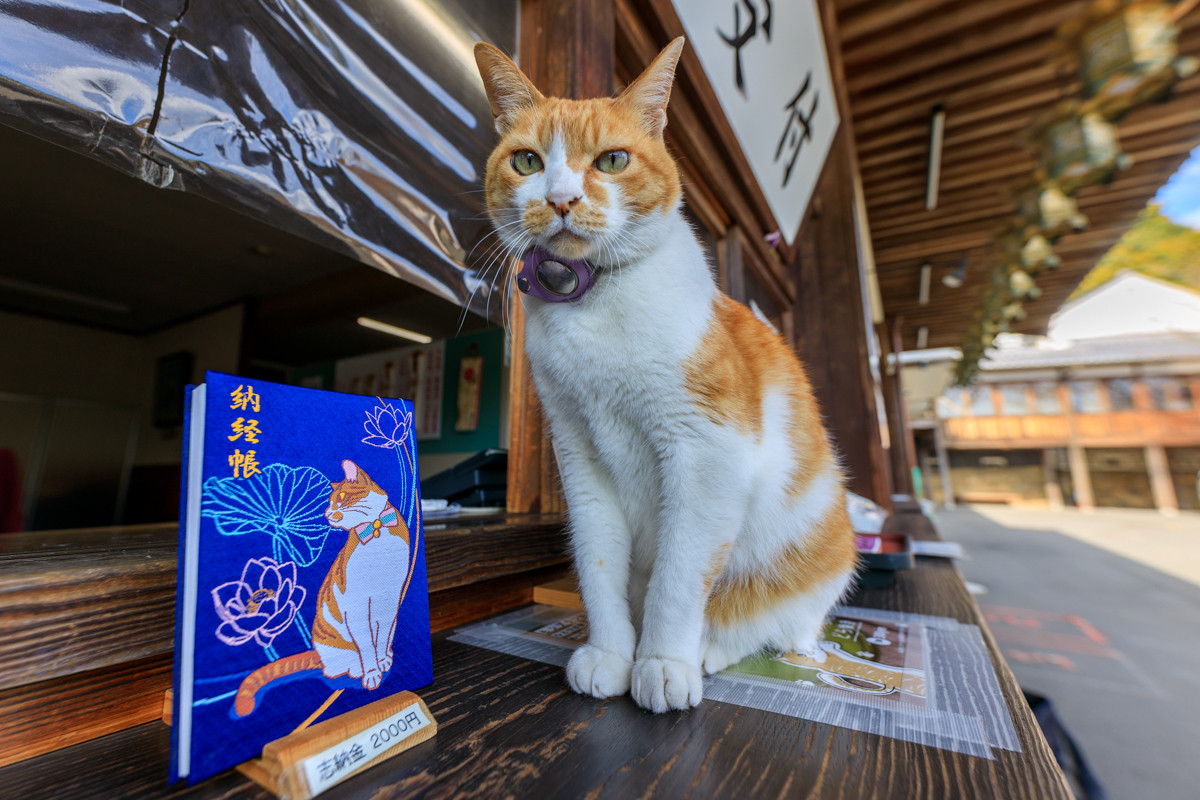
{"x":286,"y":503}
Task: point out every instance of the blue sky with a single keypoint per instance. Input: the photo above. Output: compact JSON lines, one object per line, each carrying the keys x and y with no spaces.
{"x":1180,"y":196}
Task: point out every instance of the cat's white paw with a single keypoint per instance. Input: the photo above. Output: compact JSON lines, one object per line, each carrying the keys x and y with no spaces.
{"x":385,"y":663}
{"x":716,"y":658}
{"x":371,"y":678}
{"x":664,"y":684}
{"x":597,"y":672}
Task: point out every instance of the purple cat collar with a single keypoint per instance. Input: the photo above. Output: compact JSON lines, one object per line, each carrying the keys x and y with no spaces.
{"x":552,"y":278}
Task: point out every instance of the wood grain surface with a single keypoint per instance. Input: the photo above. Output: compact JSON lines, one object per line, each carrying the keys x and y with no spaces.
{"x":42,"y":717}
{"x":511,"y":728}
{"x":73,"y":601}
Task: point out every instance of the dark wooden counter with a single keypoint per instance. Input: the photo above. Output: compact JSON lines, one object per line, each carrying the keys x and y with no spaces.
{"x":511,"y":728}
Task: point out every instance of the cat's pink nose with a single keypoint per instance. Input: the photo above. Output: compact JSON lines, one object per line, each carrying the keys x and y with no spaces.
{"x":562,"y":206}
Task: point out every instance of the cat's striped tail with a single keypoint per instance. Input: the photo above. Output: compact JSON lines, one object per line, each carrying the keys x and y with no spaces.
{"x":243,"y":704}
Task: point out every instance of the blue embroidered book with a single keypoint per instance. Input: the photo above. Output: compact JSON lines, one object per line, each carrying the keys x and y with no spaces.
{"x":302,"y":590}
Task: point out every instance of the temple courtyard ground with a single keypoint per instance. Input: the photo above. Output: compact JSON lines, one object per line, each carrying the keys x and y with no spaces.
{"x":1100,"y":613}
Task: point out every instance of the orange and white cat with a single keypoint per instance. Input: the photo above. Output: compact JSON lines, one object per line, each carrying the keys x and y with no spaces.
{"x":359,"y":600}
{"x":706,"y":503}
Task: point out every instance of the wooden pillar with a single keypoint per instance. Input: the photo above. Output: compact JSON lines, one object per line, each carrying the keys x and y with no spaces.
{"x":833,"y":330}
{"x":1160,"y":480}
{"x":903,"y":448}
{"x":1081,"y":479}
{"x":567,"y":50}
{"x":1050,"y":477}
{"x":943,"y":457}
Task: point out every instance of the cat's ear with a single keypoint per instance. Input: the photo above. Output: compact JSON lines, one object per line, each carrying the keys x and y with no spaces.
{"x":351,"y":470}
{"x":648,"y":95}
{"x":508,"y":90}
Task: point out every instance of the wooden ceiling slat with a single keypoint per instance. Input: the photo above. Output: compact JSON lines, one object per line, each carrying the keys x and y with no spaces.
{"x":962,"y":109}
{"x":933,"y":88}
{"x":969,"y":106}
{"x":961,"y":135}
{"x":1019,"y":165}
{"x":1176,"y":135}
{"x":951,"y":20}
{"x":1026,"y":101}
{"x":884,"y":226}
{"x":885,"y":16}
{"x":963,"y":174}
{"x":887,"y":256}
{"x":909,"y":204}
{"x":983,"y":150}
{"x":963,"y":48}
{"x":934,"y":229}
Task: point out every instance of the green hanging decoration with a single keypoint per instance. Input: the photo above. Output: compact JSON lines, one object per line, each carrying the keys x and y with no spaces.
{"x":1021,"y":285}
{"x":1048,"y":210}
{"x":1078,"y":148}
{"x":1037,"y":254}
{"x":1127,"y":53}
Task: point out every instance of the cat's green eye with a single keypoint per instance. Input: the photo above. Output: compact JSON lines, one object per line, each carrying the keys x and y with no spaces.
{"x":527,"y":162}
{"x":613,"y":161}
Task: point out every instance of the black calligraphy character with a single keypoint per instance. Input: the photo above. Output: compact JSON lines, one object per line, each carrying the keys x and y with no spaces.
{"x":341,"y":760}
{"x":798,"y":129}
{"x":742,"y":37}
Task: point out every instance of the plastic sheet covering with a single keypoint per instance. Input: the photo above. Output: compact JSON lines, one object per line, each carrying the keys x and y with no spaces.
{"x":361,"y":125}
{"x":919,"y":678}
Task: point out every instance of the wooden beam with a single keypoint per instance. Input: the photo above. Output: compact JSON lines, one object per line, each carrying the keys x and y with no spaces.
{"x":566,"y":49}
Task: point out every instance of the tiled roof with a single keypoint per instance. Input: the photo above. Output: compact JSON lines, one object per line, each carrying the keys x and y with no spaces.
{"x":1143,"y":349}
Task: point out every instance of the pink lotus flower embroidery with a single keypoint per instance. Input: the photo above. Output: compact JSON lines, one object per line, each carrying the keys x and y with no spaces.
{"x":386,"y":427}
{"x":261,"y":605}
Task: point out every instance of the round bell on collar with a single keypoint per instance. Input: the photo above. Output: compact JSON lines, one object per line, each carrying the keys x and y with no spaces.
{"x":553,"y":278}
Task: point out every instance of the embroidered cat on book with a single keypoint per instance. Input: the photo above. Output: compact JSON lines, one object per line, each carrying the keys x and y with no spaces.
{"x":360,"y":598}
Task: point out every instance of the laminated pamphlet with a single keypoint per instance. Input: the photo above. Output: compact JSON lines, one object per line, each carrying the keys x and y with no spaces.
{"x":302,"y":592}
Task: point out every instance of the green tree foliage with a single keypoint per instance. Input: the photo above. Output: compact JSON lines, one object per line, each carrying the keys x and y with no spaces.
{"x":1154,"y":246}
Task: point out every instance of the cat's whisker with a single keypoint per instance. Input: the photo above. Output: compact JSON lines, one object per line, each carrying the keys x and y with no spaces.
{"x":509,"y":271}
{"x":481,"y":275}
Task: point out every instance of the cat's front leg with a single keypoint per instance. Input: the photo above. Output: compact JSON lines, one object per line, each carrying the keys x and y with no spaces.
{"x":360,"y":627}
{"x":699,"y":522}
{"x":601,"y":542}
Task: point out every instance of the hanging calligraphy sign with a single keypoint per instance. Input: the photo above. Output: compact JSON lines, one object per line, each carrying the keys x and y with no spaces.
{"x":766,"y":62}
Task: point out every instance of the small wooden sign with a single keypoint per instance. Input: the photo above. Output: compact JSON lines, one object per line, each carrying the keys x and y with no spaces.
{"x":305,"y":763}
